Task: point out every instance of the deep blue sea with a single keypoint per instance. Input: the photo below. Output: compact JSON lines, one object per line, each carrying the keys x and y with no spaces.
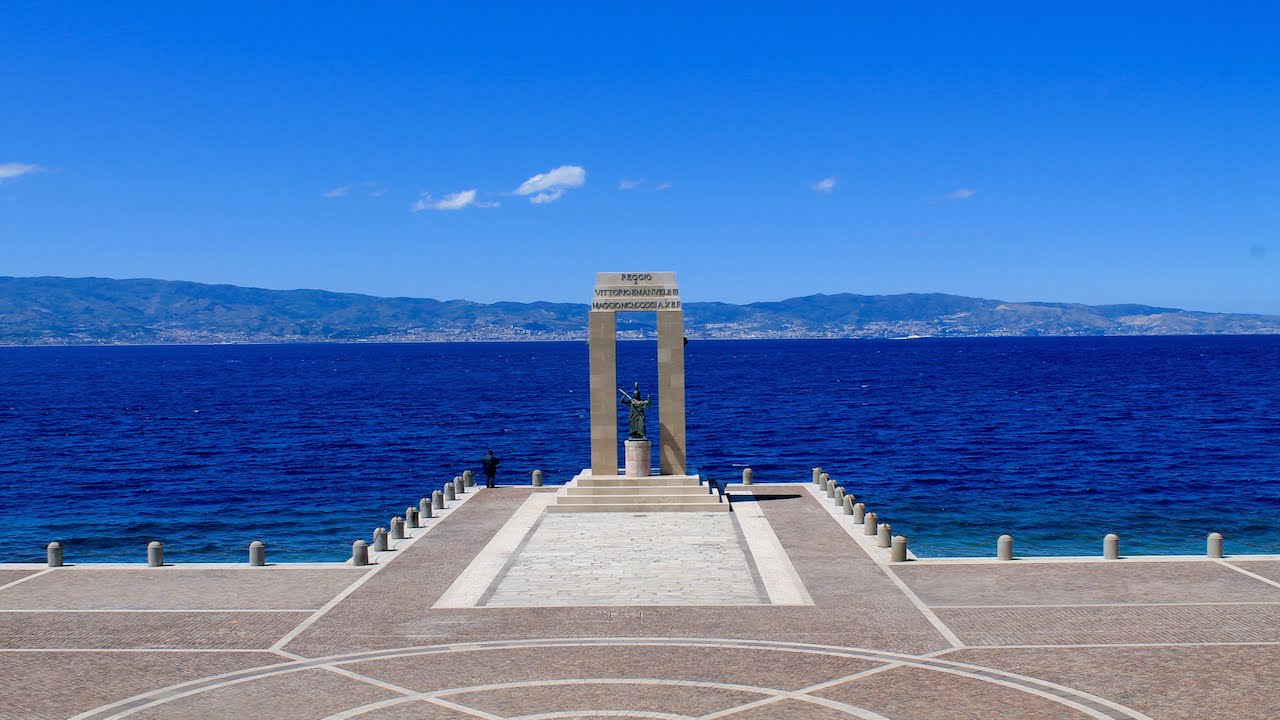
{"x":1056,"y":441}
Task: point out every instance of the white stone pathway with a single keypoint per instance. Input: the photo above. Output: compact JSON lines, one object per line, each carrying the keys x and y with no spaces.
{"x":630,"y":559}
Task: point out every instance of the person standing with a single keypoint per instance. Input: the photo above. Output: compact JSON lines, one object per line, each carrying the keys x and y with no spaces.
{"x":489,"y":464}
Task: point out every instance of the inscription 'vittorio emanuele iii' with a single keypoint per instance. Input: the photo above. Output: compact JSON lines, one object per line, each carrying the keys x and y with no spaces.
{"x":636,"y":292}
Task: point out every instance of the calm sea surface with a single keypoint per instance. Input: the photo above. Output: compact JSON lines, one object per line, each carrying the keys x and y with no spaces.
{"x":1056,"y":440}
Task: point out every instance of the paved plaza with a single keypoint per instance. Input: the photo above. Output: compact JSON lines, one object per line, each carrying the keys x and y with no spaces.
{"x":781,"y":609}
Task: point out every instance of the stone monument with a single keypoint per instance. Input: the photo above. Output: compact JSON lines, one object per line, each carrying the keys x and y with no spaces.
{"x":604,"y":487}
{"x":637,"y":292}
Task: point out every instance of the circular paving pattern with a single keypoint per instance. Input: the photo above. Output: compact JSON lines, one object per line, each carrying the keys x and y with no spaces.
{"x":670,"y":678}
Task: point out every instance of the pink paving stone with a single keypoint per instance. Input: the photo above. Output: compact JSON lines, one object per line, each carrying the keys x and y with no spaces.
{"x":758,"y":668}
{"x":59,"y":685}
{"x":8,"y":575}
{"x":1031,"y":583}
{"x":921,"y":694}
{"x":1222,"y":682}
{"x":585,"y":698}
{"x":1269,"y":569}
{"x":790,"y":710}
{"x":301,"y":695}
{"x":212,"y":630}
{"x":416,"y":710}
{"x":179,"y":588}
{"x":1114,"y":624}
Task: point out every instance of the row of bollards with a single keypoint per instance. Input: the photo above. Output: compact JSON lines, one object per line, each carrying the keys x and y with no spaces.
{"x":884,"y":538}
{"x":1110,"y":546}
{"x":55,"y":555}
{"x":416,"y":517}
{"x":849,"y":505}
{"x":413,"y":519}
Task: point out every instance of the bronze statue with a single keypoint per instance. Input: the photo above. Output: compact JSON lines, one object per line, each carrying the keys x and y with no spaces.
{"x":638,"y":404}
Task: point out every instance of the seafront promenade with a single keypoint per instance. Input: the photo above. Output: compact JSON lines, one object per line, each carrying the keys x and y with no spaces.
{"x":780,"y":609}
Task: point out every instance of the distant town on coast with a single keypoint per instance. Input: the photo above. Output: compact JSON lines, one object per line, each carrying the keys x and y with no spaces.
{"x":98,"y":311}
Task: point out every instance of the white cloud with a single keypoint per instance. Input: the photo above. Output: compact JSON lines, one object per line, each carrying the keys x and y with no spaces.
{"x":368,"y":185}
{"x":625,"y":184}
{"x":825,"y":185}
{"x":961,"y":194}
{"x":15,"y":170}
{"x":543,"y":198}
{"x":550,"y":186}
{"x":452,"y":201}
{"x":665,"y":184}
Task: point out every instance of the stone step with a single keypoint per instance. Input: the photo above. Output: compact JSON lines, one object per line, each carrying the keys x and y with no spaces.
{"x":642,"y":507}
{"x":638,"y":490}
{"x":624,"y":481}
{"x":636,"y":499}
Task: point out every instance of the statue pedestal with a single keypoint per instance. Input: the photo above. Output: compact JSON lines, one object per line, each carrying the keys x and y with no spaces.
{"x":639,"y":454}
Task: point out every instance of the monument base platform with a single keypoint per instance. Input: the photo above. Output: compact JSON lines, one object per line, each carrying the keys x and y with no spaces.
{"x":623,"y":493}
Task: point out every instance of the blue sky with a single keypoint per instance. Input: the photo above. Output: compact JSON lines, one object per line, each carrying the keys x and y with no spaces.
{"x":1081,"y":152}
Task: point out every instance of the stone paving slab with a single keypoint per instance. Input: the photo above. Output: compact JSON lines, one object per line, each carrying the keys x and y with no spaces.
{"x":919,"y":694}
{"x":1109,"y":624}
{"x":1269,"y":569}
{"x":780,"y":669}
{"x":293,"y":696}
{"x":1222,"y":682}
{"x":788,"y":710}
{"x":161,"y":630}
{"x":1031,"y":583}
{"x":616,"y":696}
{"x":416,"y":710}
{"x":59,"y":685}
{"x":7,"y":575}
{"x":179,"y":588}
{"x":630,"y":559}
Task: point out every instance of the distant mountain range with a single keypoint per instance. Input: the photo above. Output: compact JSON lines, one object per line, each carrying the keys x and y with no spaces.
{"x":76,"y":311}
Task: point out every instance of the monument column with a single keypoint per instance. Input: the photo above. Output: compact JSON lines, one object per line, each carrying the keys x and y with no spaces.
{"x":602,"y":337}
{"x":671,"y":446}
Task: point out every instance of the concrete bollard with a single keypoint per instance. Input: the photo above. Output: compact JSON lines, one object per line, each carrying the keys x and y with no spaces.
{"x":1004,"y":547}
{"x":380,"y":540}
{"x":1215,"y":545}
{"x":848,"y":504}
{"x":155,"y":554}
{"x":898,"y":551}
{"x":449,"y":494}
{"x":468,"y":479}
{"x":817,"y":475}
{"x":424,"y":508}
{"x":397,"y":528}
{"x":53,"y":553}
{"x":859,"y":513}
{"x":437,"y":500}
{"x":831,"y":487}
{"x":839,"y":496}
{"x":459,"y":487}
{"x":411,"y":518}
{"x":884,"y":535}
{"x":869,"y":524}
{"x":537,"y":478}
{"x":1111,"y":547}
{"x":824,"y":481}
{"x":359,"y":553}
{"x":748,"y":476}
{"x":257,"y":553}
